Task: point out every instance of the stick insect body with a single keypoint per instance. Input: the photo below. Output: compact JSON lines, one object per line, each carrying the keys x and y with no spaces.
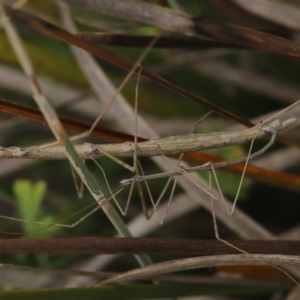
{"x":165,"y":146}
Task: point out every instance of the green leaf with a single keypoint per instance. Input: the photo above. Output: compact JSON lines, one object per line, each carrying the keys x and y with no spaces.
{"x":29,"y":197}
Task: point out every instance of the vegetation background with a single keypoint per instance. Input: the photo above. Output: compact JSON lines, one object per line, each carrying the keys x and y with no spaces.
{"x":251,"y":77}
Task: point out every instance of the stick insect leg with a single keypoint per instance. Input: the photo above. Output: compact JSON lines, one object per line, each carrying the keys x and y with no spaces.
{"x":154,"y":203}
{"x":101,"y":201}
{"x":136,"y":163}
{"x":272,"y":130}
{"x":213,"y":171}
{"x":137,"y":168}
{"x":174,"y":178}
{"x":128,"y":76}
{"x":120,"y":162}
{"x":200,"y":121}
{"x":217,"y":236}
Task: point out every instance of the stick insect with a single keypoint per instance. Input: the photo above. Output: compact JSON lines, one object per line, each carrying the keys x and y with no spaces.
{"x":164,"y":146}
